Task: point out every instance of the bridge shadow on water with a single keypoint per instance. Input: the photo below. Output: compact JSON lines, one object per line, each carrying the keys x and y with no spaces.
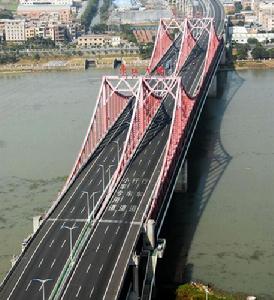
{"x":207,"y":161}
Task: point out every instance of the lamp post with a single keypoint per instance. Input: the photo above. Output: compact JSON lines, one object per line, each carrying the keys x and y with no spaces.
{"x":103,"y":171}
{"x":70,"y":235}
{"x":93,"y":203}
{"x":108,"y":169}
{"x":118,"y":149}
{"x":86,"y":193}
{"x":42,"y":281}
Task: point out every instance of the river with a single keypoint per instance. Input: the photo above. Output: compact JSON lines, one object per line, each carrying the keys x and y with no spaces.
{"x":220,"y":231}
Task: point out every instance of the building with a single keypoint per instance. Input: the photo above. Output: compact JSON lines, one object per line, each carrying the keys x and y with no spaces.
{"x":62,"y":13}
{"x":98,"y":40}
{"x":240,"y":35}
{"x":229,"y":6}
{"x":15,"y":30}
{"x":265,"y":15}
{"x":45,"y":2}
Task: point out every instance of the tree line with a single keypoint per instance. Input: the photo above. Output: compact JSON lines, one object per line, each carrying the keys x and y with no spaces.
{"x":255,"y":48}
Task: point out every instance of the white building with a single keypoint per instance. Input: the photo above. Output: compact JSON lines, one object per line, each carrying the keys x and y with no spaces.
{"x":15,"y":30}
{"x":266,"y":15}
{"x":240,"y":35}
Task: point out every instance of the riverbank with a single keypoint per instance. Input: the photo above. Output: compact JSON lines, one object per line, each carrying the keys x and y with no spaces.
{"x":198,"y":291}
{"x":249,"y":65}
{"x":63,"y":63}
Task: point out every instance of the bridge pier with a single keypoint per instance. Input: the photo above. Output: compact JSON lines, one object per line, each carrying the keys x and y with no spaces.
{"x":181,"y":182}
{"x":37,"y":220}
{"x":149,"y":242}
{"x":213,"y":87}
{"x":134,"y":294}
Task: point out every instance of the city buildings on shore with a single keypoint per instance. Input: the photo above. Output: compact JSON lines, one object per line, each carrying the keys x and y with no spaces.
{"x":250,"y":19}
{"x":98,"y":40}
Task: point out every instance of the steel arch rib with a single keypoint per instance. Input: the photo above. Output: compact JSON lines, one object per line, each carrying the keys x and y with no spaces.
{"x":96,"y":131}
{"x":159,"y":49}
{"x":143,"y":113}
{"x":186,"y":46}
{"x":213,"y":43}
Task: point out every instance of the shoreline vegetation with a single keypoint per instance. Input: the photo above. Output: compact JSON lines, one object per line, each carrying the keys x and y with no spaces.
{"x":259,"y":64}
{"x":198,"y":291}
{"x":63,"y":63}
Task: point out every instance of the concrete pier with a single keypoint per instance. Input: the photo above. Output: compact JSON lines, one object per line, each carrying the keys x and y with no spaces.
{"x":181,"y":182}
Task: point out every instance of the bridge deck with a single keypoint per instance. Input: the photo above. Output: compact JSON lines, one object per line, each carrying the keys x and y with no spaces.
{"x":104,"y":262}
{"x":49,"y":251}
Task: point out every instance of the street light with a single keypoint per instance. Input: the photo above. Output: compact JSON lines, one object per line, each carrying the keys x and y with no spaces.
{"x":42,"y":281}
{"x":70,"y":235}
{"x":93,"y":203}
{"x":88,"y":198}
{"x":108,"y":169}
{"x":103,"y":171}
{"x":118,"y":149}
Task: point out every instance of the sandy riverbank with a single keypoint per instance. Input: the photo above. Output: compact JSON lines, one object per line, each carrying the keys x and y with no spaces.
{"x":63,"y":63}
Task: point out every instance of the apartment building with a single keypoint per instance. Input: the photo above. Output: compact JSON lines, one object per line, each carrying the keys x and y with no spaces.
{"x":15,"y":30}
{"x":266,"y":15}
{"x":63,"y":13}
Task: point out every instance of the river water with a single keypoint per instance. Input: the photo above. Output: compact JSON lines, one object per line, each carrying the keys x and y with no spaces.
{"x":221,"y":231}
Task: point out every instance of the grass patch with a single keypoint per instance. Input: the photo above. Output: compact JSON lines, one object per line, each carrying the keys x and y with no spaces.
{"x":196,"y":291}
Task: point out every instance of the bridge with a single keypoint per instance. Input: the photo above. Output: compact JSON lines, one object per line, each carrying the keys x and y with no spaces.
{"x":101,"y":237}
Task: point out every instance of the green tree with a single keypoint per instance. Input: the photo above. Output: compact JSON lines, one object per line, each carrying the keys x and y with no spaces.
{"x":7,"y":58}
{"x":252,"y":41}
{"x":127,"y":33}
{"x":36,"y":56}
{"x":238,"y":7}
{"x":6,"y":14}
{"x":146,"y":50}
{"x":259,"y":52}
{"x":271,"y":53}
{"x":242,"y":51}
{"x":99,"y":28}
{"x":104,"y":10}
{"x":89,"y":13}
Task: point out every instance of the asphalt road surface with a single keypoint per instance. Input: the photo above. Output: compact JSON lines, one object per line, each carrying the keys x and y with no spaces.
{"x":100,"y":270}
{"x":49,"y":251}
